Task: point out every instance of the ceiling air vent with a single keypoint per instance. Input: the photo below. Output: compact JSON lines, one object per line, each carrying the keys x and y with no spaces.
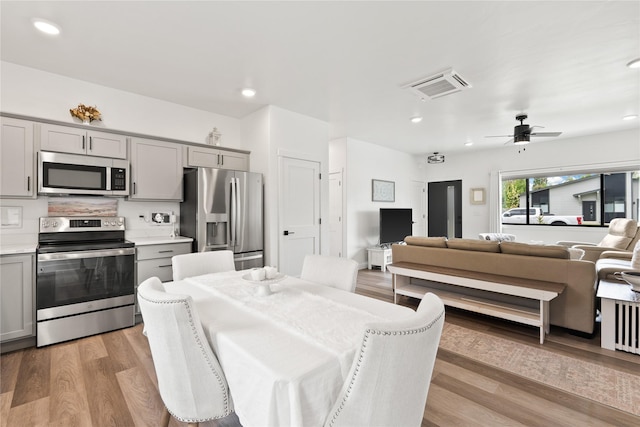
{"x":440,"y":84}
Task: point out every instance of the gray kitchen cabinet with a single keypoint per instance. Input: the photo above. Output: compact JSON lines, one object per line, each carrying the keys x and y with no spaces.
{"x":16,"y":296}
{"x":73,"y":140}
{"x":155,"y":260}
{"x":17,"y":177}
{"x":156,"y":170}
{"x":208,"y":157}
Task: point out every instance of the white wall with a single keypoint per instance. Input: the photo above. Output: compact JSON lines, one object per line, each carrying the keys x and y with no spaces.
{"x":475,"y":167}
{"x":366,"y":161}
{"x":273,"y":132}
{"x":36,"y":93}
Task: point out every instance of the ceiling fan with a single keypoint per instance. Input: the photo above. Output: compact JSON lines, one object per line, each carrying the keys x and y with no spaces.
{"x":522,"y":132}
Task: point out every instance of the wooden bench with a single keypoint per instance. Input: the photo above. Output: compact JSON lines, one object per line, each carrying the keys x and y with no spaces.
{"x":455,"y":296}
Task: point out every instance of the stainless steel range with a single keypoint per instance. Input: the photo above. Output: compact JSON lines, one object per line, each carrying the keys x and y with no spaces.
{"x":85,"y":278}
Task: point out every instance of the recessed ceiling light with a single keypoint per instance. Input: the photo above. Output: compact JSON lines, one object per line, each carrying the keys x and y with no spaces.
{"x":46,"y":27}
{"x":630,"y":117}
{"x":468,"y":144}
{"x":248,"y":92}
{"x":416,"y":119}
{"x":634,"y":64}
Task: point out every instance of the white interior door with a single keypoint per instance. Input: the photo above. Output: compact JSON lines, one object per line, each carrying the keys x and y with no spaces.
{"x":299,"y":213}
{"x":335,"y":214}
{"x":418,"y":207}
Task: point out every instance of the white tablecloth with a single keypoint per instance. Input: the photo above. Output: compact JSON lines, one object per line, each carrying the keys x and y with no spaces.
{"x":287,"y":354}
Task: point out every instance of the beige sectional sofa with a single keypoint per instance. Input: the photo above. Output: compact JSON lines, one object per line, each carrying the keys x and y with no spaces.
{"x":512,"y":263}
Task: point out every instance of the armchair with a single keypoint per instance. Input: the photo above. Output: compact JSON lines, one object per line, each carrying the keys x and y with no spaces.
{"x":623,"y":235}
{"x":611,"y":262}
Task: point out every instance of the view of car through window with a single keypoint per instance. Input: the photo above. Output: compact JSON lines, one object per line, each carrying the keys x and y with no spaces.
{"x":579,"y":199}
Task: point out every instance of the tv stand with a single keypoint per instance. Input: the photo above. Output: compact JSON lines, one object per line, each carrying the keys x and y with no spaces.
{"x":379,"y":256}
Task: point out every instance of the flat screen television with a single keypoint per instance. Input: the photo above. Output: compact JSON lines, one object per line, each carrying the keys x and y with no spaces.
{"x":395,"y":225}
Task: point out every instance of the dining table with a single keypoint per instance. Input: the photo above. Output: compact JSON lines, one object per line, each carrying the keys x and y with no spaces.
{"x":285,"y":345}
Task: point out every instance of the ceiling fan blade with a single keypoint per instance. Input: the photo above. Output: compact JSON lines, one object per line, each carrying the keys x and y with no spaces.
{"x":545,"y":133}
{"x":509,"y":141}
{"x":498,"y":136}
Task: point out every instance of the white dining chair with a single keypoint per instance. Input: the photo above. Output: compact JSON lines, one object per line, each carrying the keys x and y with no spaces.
{"x":336,"y":272}
{"x":190,"y":379}
{"x":391,"y":373}
{"x":199,"y":263}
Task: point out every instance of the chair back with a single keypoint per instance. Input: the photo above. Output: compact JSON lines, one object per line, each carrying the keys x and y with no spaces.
{"x":199,"y":263}
{"x":391,"y":373}
{"x":190,"y":379}
{"x":336,"y":272}
{"x":621,"y":234}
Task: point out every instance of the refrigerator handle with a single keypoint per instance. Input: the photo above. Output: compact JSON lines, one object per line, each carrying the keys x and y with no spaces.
{"x":233,"y":208}
{"x":237,"y":223}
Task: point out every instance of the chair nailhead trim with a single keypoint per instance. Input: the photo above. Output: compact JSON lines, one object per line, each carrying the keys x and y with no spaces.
{"x":368,"y":332}
{"x":194,"y":329}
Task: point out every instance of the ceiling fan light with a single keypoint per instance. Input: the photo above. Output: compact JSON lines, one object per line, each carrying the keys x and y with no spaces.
{"x":630,"y":117}
{"x":521,"y":142}
{"x":416,"y":119}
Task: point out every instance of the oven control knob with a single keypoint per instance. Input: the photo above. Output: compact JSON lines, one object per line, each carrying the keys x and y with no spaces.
{"x":55,"y":223}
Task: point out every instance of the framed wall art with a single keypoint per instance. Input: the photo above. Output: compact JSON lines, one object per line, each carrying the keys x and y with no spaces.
{"x":383,"y":191}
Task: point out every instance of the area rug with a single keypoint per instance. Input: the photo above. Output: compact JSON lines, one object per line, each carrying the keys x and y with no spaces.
{"x":608,"y":386}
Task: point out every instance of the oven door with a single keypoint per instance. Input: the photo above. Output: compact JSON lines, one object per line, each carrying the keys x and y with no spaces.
{"x":65,"y":279}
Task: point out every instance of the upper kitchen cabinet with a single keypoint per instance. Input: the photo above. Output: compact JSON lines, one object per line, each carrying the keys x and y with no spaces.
{"x":81,"y":141}
{"x":216,"y":158}
{"x":17,"y":178}
{"x":156,"y":170}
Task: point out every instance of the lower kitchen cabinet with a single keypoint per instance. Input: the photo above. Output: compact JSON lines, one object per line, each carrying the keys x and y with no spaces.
{"x":155,"y":260}
{"x":16,"y":296}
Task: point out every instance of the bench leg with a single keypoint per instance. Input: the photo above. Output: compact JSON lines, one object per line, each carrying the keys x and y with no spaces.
{"x":544,"y":320}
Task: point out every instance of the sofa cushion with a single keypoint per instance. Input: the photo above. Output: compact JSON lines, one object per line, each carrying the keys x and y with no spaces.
{"x":434,"y":242}
{"x":474,"y":245}
{"x":547,"y":251}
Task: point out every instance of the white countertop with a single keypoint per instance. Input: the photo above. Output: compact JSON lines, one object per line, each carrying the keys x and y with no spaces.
{"x":19,"y":248}
{"x":158,"y":240}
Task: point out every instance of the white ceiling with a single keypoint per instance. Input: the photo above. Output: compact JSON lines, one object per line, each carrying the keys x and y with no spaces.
{"x":562,"y":62}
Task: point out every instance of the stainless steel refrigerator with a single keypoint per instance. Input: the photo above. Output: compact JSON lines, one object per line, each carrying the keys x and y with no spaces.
{"x":223,"y":209}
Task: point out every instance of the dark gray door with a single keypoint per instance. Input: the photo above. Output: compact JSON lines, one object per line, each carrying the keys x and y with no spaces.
{"x":589,"y":210}
{"x":445,"y":209}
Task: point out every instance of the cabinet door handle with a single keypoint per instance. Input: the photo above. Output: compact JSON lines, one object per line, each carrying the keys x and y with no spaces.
{"x":83,"y":145}
{"x":134,"y":188}
{"x":28,"y":183}
{"x":90,"y":143}
{"x":167,"y":251}
{"x":221,"y":159}
{"x":168,"y":265}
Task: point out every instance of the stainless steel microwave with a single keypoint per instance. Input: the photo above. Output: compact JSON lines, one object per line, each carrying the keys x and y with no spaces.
{"x":75,"y":174}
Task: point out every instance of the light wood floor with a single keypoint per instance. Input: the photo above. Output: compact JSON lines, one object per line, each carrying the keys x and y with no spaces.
{"x":108,"y":380}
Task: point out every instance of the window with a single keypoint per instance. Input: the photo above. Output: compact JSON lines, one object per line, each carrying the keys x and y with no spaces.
{"x":579,"y":199}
